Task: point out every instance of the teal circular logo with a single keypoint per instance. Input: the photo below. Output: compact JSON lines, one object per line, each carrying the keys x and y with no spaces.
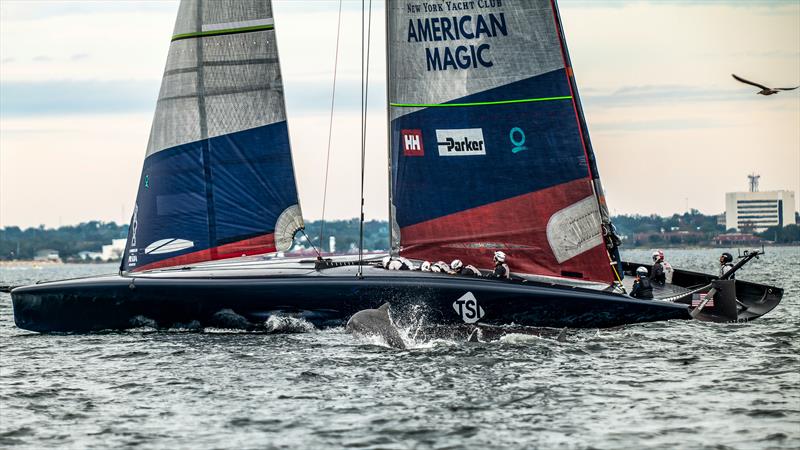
{"x":517,"y":137}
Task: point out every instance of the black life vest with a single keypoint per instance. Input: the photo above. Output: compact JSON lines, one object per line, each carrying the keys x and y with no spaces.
{"x":642,"y":288}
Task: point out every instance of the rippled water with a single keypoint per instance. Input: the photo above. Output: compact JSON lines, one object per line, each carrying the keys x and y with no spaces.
{"x":662,"y":385}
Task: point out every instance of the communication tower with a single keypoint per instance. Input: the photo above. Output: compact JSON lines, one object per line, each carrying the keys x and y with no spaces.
{"x":753,"y":182}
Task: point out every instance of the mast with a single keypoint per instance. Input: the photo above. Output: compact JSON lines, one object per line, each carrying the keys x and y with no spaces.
{"x":388,"y":131}
{"x":609,"y":234}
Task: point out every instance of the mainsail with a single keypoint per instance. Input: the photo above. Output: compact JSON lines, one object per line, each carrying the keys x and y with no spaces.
{"x":218,"y":179}
{"x":489,"y":149}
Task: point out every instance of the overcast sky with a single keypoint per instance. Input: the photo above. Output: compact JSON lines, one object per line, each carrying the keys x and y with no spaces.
{"x":670,"y":127}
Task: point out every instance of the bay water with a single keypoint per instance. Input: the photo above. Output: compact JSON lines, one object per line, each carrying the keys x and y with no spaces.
{"x":678,"y":384}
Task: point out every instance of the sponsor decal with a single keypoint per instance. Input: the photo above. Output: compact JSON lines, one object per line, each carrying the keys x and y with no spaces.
{"x":147,"y":181}
{"x":468,"y":308}
{"x":574,"y":229}
{"x":456,"y":38}
{"x":167,"y":246}
{"x":517,"y":137}
{"x":463,"y":142}
{"x":134,"y":225}
{"x":412,"y":142}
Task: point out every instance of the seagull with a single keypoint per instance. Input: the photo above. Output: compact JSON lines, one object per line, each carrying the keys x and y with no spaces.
{"x":764,"y":90}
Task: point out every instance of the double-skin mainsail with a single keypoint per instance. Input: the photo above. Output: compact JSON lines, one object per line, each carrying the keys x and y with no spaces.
{"x":218,"y":179}
{"x":489,"y":150}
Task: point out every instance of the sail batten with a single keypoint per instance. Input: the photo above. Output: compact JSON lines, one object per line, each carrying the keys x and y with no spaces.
{"x":488,"y":146}
{"x":218,"y":178}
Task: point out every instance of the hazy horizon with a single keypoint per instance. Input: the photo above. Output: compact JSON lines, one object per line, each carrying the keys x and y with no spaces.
{"x":671,"y":129}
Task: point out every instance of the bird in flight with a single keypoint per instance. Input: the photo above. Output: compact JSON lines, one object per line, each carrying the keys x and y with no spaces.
{"x":764,"y":90}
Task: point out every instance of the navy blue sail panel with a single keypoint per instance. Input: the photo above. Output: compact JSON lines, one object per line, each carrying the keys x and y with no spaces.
{"x":487,"y":147}
{"x":252,"y":185}
{"x":218,"y":180}
{"x":434,"y":185}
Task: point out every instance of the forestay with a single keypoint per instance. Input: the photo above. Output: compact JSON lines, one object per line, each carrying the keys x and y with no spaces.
{"x":488,"y":146}
{"x":218,"y":179}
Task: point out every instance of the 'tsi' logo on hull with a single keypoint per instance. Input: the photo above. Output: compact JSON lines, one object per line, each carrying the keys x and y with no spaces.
{"x":468,"y":308}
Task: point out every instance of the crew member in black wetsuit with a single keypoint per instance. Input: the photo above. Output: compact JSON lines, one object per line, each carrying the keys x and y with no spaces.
{"x":658,"y":276}
{"x":460,"y":269}
{"x":501,"y":269}
{"x":641,"y":286}
{"x":726,"y":264}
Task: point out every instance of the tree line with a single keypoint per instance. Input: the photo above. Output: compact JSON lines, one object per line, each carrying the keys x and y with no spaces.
{"x":691,"y":228}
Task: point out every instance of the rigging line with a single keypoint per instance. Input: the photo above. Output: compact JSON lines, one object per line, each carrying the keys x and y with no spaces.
{"x":330,"y":129}
{"x":302,"y":230}
{"x":364,"y":97}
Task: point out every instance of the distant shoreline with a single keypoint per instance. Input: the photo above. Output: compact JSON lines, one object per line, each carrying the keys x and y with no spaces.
{"x":31,"y":262}
{"x":698,"y":247}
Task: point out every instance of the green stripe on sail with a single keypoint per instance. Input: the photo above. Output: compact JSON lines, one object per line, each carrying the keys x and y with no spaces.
{"x":178,"y":37}
{"x":499,"y":102}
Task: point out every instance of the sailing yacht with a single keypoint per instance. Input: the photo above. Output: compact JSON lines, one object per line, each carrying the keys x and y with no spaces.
{"x":488,"y":150}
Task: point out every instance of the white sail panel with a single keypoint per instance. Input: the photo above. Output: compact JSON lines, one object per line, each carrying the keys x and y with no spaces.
{"x":420,"y":41}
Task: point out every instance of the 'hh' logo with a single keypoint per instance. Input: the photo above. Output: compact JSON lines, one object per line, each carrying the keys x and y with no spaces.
{"x":412,"y":142}
{"x":468,"y":308}
{"x":461,"y":142}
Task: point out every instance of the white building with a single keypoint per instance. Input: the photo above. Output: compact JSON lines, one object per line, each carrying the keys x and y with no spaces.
{"x":757,"y":211}
{"x":47,"y":255}
{"x":114,"y":251}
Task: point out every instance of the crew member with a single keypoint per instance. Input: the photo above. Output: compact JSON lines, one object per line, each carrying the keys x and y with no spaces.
{"x":726,"y":264}
{"x":658,"y":276}
{"x":441,"y":267}
{"x":396,"y":263}
{"x":460,"y":269}
{"x":641,"y":285}
{"x":668,"y":270}
{"x":425,"y":266}
{"x":501,"y":269}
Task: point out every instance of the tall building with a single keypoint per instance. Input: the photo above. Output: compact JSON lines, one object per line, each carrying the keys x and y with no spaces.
{"x":756,"y":211}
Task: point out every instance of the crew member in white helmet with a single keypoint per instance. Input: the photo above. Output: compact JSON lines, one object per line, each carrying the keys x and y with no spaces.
{"x":657,"y":273}
{"x":460,"y":269}
{"x":397,"y":263}
{"x":441,"y":267}
{"x":501,"y":269}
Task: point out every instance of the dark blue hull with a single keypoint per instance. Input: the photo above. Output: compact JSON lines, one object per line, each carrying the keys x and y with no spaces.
{"x":325,"y":298}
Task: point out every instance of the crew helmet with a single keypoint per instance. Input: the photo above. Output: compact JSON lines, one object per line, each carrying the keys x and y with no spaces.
{"x":656,"y":256}
{"x":395,"y":265}
{"x":385,"y":261}
{"x":456,"y":264}
{"x":425,"y":266}
{"x":726,"y":257}
{"x":641,"y":271}
{"x":499,"y":256}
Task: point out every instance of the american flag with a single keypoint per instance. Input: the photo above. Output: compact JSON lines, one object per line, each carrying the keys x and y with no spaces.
{"x":698,"y":298}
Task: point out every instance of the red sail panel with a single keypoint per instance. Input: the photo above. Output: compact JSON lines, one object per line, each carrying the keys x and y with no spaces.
{"x":519,"y":227}
{"x":247,"y":247}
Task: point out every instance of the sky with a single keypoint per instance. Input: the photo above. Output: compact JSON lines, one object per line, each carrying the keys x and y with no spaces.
{"x":671,"y":129}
